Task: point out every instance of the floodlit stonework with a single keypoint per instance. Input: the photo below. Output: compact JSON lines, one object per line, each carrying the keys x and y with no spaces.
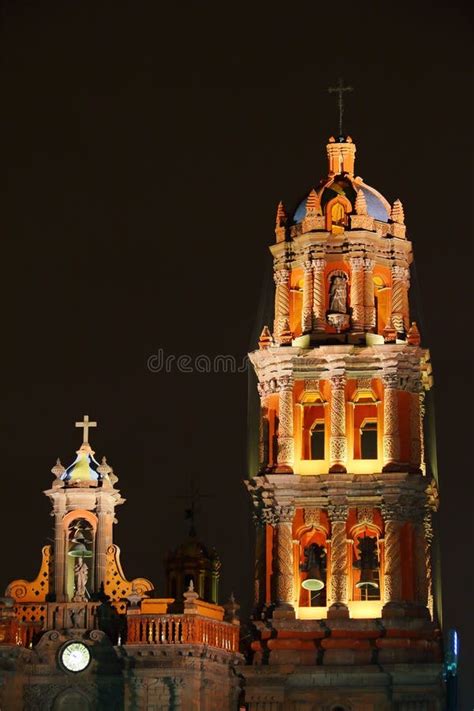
{"x":343,"y":499}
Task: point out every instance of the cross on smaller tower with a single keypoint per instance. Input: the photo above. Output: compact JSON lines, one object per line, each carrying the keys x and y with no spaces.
{"x":340,"y":89}
{"x":85,"y":424}
{"x":190,"y":512}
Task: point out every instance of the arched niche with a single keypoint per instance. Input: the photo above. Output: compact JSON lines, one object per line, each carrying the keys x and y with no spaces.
{"x":365,"y":530}
{"x":72,"y":699}
{"x":337,"y":213}
{"x":307,"y":535}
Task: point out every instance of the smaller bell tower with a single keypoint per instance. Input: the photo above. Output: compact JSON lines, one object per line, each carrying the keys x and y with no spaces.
{"x":83,"y":498}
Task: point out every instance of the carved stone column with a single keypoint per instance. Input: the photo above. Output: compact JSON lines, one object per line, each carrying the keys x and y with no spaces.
{"x":338,"y":592}
{"x":422,"y":433}
{"x":319,"y":302}
{"x":369,"y":297}
{"x":419,"y":563}
{"x":391,"y":438}
{"x":284,"y":562}
{"x":307,"y":316}
{"x":338,"y":438}
{"x":59,"y":550}
{"x":415,"y":431}
{"x":285,"y":429}
{"x":393,"y":569}
{"x":400,"y":315}
{"x":428,"y":537}
{"x":282,"y":301}
{"x":105,"y":517}
{"x":357,"y":293}
{"x":263,"y":441}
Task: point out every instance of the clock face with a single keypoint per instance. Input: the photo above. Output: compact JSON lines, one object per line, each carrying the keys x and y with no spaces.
{"x":75,"y":656}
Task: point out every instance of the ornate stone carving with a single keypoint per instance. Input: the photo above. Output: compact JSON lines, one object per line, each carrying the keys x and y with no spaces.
{"x":415,"y":430}
{"x":307,"y":315}
{"x":357,"y":293}
{"x":338,"y":440}
{"x":116,"y":586}
{"x":285,"y":430}
{"x":311,"y":386}
{"x":391,"y":439}
{"x":338,"y":292}
{"x":400,"y":283}
{"x":282,"y":300}
{"x":319,"y":305}
{"x":312,"y":517}
{"x":365,"y":514}
{"x":428,"y":538}
{"x":392,"y":514}
{"x":285,"y":556}
{"x":37,"y":589}
{"x":338,"y":593}
{"x":369,"y":300}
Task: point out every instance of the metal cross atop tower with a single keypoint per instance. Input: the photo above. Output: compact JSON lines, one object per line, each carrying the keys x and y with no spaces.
{"x":340,"y":89}
{"x":85,"y":424}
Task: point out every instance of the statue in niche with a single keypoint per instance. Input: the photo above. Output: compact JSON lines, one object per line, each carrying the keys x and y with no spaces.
{"x":338,"y":295}
{"x":81,"y":573}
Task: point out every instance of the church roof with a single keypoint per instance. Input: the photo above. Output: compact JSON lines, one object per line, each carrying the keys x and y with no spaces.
{"x":377,"y":206}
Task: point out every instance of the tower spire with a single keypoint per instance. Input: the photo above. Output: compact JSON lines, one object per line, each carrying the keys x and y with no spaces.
{"x":339,"y":90}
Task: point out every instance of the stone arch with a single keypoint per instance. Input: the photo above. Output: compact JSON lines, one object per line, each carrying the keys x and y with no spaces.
{"x":72,"y":699}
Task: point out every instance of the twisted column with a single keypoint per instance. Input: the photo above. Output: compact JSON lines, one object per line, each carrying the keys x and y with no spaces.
{"x":307,"y":317}
{"x":282,"y":300}
{"x":319,"y":305}
{"x":338,"y":439}
{"x":415,"y":431}
{"x":284,"y":561}
{"x":428,"y":538}
{"x":420,"y":570}
{"x":285,"y":428}
{"x":369,"y":297}
{"x":338,"y":592}
{"x":391,"y":438}
{"x":400,"y":313}
{"x":393,"y":570}
{"x":357,"y":293}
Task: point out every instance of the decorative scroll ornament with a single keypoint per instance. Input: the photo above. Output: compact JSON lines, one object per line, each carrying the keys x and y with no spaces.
{"x":116,"y":586}
{"x":365,"y":514}
{"x":312,"y":517}
{"x":35,"y":590}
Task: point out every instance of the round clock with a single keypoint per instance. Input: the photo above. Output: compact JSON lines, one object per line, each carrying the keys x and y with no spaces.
{"x":75,"y":656}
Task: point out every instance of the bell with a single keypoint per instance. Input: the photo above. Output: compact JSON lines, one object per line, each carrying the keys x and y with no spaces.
{"x":79,"y":550}
{"x":367,"y":579}
{"x":314,"y":581}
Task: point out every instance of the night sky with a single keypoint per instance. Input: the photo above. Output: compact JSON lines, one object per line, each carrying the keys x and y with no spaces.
{"x":143,"y":150}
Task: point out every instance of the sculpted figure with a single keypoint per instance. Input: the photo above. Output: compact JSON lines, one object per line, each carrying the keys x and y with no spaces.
{"x":81,"y":573}
{"x":338,"y":295}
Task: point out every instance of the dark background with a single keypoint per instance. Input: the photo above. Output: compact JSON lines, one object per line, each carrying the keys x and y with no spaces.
{"x":143,"y":150}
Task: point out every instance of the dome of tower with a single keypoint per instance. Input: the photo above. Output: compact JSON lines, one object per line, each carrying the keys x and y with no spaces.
{"x":84,"y":467}
{"x":377,"y":206}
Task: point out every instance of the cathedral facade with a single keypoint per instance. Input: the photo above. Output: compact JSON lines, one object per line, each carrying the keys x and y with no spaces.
{"x":344,"y":612}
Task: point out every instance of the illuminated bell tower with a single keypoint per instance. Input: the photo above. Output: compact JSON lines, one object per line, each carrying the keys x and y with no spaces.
{"x":343,"y":498}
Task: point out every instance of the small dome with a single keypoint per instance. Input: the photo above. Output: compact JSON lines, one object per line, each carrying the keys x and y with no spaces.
{"x":377,"y":205}
{"x":83,"y":468}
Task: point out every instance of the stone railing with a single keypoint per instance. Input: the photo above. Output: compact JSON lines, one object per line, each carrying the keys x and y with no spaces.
{"x":182,"y":629}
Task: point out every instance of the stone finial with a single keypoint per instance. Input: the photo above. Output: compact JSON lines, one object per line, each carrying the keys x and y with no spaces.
{"x":397,"y":214}
{"x":360,"y":203}
{"x":281,"y":217}
{"x":413,"y":335}
{"x":285,"y":335}
{"x":190,"y":597}
{"x":389,"y":332}
{"x":231,"y":609}
{"x":58,"y":469}
{"x":313,"y":204}
{"x":265,"y":340}
{"x":134,"y":598}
